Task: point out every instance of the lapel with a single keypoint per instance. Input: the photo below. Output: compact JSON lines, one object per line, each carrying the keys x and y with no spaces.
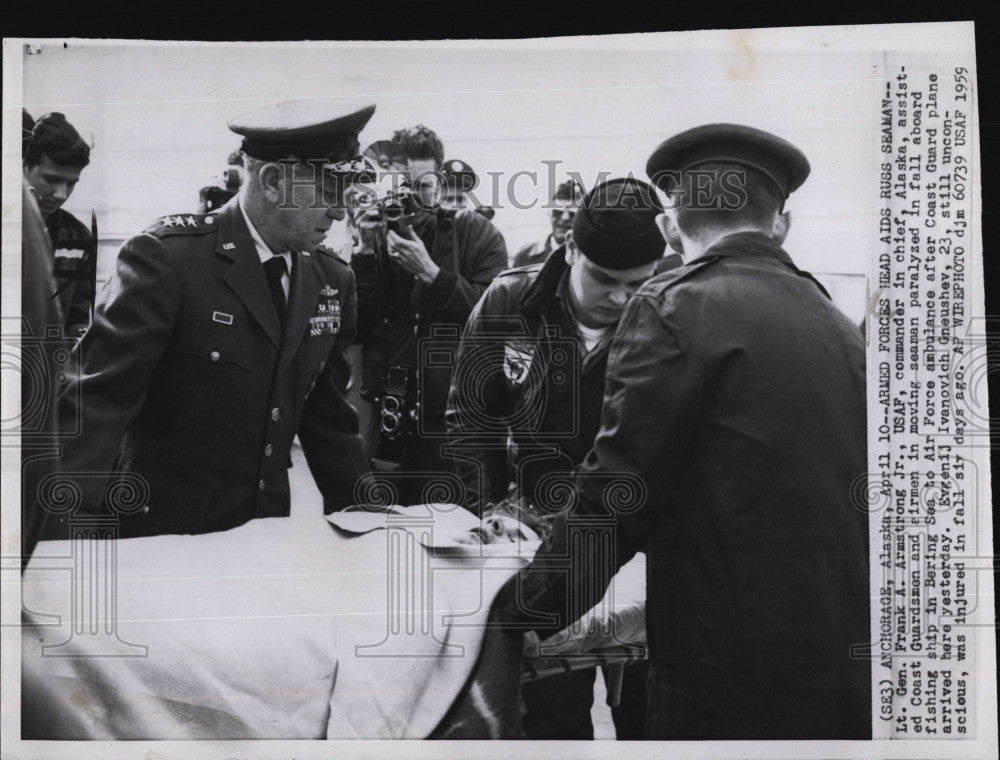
{"x":303,"y":295}
{"x":245,"y":274}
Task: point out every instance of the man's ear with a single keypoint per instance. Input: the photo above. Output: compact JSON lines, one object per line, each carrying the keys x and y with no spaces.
{"x":782,"y":223}
{"x":571,"y":250}
{"x":670,"y":232}
{"x":270,"y":175}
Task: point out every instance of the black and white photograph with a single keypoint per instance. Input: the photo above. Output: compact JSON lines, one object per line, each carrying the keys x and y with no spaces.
{"x":596,"y":396}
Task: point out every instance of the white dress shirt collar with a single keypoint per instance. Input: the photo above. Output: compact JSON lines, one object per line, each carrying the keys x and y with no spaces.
{"x":265,"y":252}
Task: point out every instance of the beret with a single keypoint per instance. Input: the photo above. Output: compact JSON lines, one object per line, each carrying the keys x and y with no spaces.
{"x":303,"y":130}
{"x":616,"y":224}
{"x":776,"y":158}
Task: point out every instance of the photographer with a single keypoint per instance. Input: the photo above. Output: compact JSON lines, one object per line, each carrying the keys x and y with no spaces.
{"x":532,"y":366}
{"x":418,"y":275}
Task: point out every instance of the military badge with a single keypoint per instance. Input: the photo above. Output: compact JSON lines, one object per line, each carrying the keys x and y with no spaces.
{"x":517,"y":359}
{"x":327,"y":318}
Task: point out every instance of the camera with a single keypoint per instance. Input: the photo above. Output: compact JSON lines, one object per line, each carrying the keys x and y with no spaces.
{"x":398,"y":208}
{"x":397,"y":416}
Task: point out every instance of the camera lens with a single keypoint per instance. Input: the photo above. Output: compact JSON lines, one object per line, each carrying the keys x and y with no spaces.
{"x":390,"y":404}
{"x":390,"y":423}
{"x":393,"y":210}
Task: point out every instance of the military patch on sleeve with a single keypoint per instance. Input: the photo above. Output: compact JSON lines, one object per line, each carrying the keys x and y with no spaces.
{"x":517,"y":360}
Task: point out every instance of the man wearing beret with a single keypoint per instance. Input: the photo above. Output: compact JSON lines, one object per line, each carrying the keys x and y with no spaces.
{"x":736,"y":393}
{"x":222,"y":337}
{"x":54,"y":155}
{"x":531,"y":366}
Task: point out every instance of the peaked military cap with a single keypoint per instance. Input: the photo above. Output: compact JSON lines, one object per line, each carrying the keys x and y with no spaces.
{"x":304,"y":130}
{"x":776,"y":158}
{"x":570,"y":190}
{"x":386,"y":155}
{"x":459,"y":174}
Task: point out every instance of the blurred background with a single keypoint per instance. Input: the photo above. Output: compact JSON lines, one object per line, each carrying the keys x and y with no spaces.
{"x":523,"y":114}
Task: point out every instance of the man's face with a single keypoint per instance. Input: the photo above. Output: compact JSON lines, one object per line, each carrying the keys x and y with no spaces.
{"x":306,"y":207}
{"x":598,"y":295}
{"x":424,"y":180}
{"x":453,"y":197}
{"x":497,"y":529}
{"x":562,"y":218}
{"x":52,"y":183}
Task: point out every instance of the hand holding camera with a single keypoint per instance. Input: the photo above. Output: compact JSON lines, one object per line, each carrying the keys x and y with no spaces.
{"x":411,"y":255}
{"x":388,"y":225}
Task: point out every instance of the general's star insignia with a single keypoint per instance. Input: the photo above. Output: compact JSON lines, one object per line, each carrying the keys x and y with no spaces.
{"x":168,"y":222}
{"x":192,"y":222}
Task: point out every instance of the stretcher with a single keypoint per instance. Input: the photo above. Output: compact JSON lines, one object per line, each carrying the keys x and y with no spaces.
{"x":281,"y":628}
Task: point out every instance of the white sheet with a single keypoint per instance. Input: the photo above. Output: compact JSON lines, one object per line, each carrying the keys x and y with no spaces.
{"x":255,"y":633}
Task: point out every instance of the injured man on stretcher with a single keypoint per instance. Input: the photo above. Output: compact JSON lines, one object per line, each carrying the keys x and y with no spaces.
{"x":368,"y":623}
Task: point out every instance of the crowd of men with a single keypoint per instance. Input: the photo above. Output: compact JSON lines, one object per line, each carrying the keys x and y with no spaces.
{"x":659,"y":339}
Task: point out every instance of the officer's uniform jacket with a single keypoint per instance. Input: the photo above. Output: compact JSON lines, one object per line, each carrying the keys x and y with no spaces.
{"x":186,"y":380}
{"x":735,"y":408}
{"x":522,"y":369}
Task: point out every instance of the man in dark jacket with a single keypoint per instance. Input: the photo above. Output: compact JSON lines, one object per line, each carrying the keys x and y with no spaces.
{"x":54,"y":157}
{"x":736,"y":400}
{"x":211,"y":353}
{"x":531,"y":366}
{"x":424,"y":288}
{"x":565,"y":203}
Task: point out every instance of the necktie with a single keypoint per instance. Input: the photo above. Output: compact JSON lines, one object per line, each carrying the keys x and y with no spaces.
{"x":275,"y":268}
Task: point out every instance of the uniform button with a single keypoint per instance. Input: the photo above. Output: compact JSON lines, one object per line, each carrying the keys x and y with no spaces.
{"x":268,"y":450}
{"x":260,"y":486}
{"x":215,"y":355}
{"x":145,"y":510}
{"x":275,"y":414}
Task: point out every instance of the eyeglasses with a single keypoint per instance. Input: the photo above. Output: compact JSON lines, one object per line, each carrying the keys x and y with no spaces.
{"x":563,"y":213}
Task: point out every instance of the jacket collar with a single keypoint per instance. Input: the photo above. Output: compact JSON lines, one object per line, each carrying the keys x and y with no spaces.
{"x":740,"y":244}
{"x":545,"y":286}
{"x":754,"y":245}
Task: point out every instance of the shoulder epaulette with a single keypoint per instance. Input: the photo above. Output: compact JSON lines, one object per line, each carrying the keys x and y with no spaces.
{"x":183,"y":224}
{"x":526,"y":269}
{"x":330,"y":254}
{"x":670,"y":278}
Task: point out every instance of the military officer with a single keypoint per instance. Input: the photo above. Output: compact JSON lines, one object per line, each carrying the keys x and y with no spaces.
{"x":735,"y":396}
{"x":222,"y":337}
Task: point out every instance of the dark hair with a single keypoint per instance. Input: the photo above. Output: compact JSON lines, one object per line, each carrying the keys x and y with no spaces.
{"x":723,"y":195}
{"x":56,"y":138}
{"x":420,"y":142}
{"x":541,"y":524}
